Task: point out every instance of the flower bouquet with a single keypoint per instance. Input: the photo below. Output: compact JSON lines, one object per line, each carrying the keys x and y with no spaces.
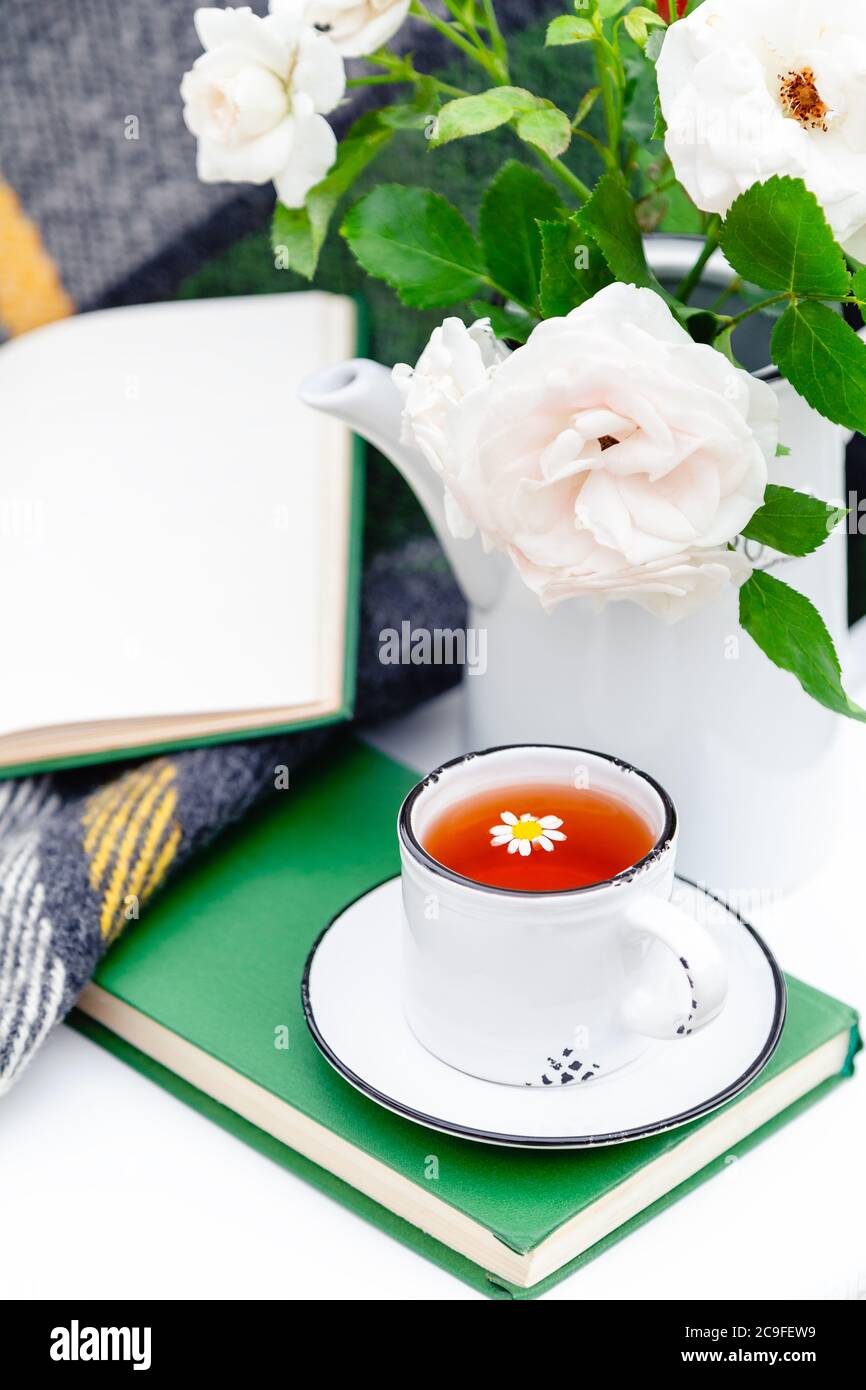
{"x":592,"y":422}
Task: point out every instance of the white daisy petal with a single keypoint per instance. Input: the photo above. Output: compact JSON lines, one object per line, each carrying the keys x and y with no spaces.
{"x":544,"y":842}
{"x":515,"y":846}
{"x":525,"y":847}
{"x":509,"y":818}
{"x":550,"y":822}
{"x":555,"y":835}
{"x":500,"y":830}
{"x":497,"y":844}
{"x":527,"y":815}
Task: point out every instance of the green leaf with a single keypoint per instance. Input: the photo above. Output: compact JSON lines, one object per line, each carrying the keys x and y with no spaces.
{"x":725,"y":345}
{"x":776,"y":236}
{"x":858,"y":285}
{"x":539,"y":122}
{"x":653,"y":45}
{"x":548,"y":128}
{"x":572,"y":267}
{"x":512,"y":206}
{"x":505,"y":324}
{"x":295,"y":241}
{"x":660,"y":128}
{"x":418,"y":243}
{"x":792,"y":522}
{"x":791,"y":632}
{"x":609,"y":216}
{"x":569,"y":29}
{"x":476,"y":115}
{"x":609,"y":9}
{"x":825,"y":361}
{"x":299,"y":233}
{"x":638,"y":23}
{"x":586,"y":105}
{"x":408,"y":117}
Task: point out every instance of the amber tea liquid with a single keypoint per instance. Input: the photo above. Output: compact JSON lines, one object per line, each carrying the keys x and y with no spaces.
{"x":537,"y":837}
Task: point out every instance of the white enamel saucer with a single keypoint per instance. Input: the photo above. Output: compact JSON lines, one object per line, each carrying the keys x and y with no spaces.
{"x":351,"y":997}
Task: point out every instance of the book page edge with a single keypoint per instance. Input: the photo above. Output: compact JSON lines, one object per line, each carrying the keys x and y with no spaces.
{"x":430,"y":1213}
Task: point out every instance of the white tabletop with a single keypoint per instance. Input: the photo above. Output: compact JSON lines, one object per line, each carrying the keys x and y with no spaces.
{"x":111,"y":1188}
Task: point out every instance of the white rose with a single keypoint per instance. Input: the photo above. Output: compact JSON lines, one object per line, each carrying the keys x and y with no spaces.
{"x":355,"y":27}
{"x":753,"y":88}
{"x":255,"y":100}
{"x":456,"y":361}
{"x":610,"y":456}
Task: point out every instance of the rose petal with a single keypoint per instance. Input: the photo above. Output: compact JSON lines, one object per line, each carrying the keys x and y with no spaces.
{"x":255,"y":161}
{"x":313,"y":153}
{"x":257,"y":38}
{"x":319,"y":71}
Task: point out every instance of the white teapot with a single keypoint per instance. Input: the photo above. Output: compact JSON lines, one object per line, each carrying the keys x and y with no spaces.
{"x":747,"y":756}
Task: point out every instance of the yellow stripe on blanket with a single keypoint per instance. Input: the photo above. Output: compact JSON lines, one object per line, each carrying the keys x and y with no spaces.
{"x":31,"y":292}
{"x":131,"y":837}
{"x":102,"y":837}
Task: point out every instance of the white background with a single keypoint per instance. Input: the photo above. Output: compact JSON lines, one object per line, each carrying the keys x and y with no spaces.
{"x":110,"y":1188}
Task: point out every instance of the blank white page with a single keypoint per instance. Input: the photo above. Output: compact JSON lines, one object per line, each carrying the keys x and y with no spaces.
{"x":165,"y":500}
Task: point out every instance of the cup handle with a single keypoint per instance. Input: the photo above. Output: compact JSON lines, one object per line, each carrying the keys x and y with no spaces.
{"x":705,"y":977}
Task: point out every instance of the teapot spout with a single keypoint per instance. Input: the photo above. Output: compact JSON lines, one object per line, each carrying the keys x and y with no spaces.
{"x":362,"y":395}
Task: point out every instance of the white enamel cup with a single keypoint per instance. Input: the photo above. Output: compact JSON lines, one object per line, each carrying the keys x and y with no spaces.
{"x":549,"y":989}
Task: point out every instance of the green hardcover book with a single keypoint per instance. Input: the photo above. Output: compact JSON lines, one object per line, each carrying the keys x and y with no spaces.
{"x":195,"y":997}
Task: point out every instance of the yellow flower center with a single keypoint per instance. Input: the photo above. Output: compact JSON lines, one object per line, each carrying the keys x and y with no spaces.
{"x":527,"y":830}
{"x":802,"y":100}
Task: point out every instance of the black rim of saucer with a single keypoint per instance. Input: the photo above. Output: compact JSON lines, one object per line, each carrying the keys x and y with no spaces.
{"x":556,"y":1142}
{"x":418,"y":852}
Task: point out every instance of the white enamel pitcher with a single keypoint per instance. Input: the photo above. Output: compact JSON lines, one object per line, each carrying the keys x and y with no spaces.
{"x":750,"y":760}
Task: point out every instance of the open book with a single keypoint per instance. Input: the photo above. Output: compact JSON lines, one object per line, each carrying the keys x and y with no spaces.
{"x":178,"y":533}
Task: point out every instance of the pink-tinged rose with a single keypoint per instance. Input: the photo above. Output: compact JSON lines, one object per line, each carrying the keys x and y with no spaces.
{"x":609,"y":456}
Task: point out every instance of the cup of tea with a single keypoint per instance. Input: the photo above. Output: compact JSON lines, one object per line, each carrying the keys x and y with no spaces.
{"x":540,"y":945}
